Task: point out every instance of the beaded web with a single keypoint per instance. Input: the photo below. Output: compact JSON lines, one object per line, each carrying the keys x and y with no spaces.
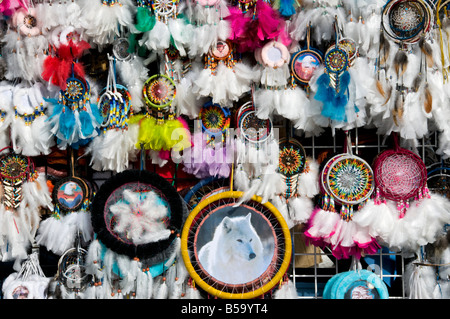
{"x":292,"y":159}
{"x":159,"y":91}
{"x":399,"y":174}
{"x":350,"y":180}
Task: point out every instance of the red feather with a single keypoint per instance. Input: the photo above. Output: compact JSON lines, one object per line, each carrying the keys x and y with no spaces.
{"x":57,"y":69}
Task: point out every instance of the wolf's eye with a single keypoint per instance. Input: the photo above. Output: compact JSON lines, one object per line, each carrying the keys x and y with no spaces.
{"x":250,"y":239}
{"x":239,"y":240}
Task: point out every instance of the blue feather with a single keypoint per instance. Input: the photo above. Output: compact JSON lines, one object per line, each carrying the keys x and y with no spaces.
{"x":334,"y":103}
{"x":86,"y":124}
{"x":287,"y":8}
{"x":66,"y":123}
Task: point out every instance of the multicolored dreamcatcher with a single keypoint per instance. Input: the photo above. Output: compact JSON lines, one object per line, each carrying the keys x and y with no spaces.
{"x":159,"y":129}
{"x":347,"y":181}
{"x":213,"y":149}
{"x":70,"y":217}
{"x":304,"y":62}
{"x":300,"y":177}
{"x":332,"y":86}
{"x":137,"y":217}
{"x":25,"y":193}
{"x":235,"y":251}
{"x":74,"y":119}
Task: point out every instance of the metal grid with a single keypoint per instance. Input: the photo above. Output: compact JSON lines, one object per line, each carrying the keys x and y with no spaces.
{"x":311,"y":266}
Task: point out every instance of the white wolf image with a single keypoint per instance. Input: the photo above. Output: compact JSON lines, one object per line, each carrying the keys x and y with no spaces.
{"x":235,"y":253}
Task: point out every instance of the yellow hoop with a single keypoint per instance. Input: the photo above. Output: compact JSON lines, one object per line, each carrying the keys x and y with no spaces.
{"x":226,"y":295}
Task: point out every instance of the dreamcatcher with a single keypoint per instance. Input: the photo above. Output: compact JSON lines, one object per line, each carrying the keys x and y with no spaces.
{"x":114,"y":148}
{"x":257,"y":156}
{"x":71,"y":215}
{"x":406,"y":69}
{"x":137,"y":217}
{"x":275,"y":93}
{"x":206,"y":187}
{"x":159,"y":128}
{"x":131,"y":70}
{"x":29,"y":282}
{"x":212,"y":152}
{"x":25,"y":45}
{"x":25,"y":193}
{"x":227,"y":265}
{"x":334,"y":88}
{"x":347,"y":181}
{"x":162,"y":24}
{"x":30,"y":134}
{"x":225,"y":77}
{"x":74,"y":120}
{"x":404,"y":214}
{"x":356,"y":284}
{"x":72,"y":280}
{"x":300,"y":181}
{"x":210,"y":24}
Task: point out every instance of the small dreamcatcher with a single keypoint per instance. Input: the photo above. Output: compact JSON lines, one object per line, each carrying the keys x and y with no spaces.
{"x":114,"y":147}
{"x":70,"y":217}
{"x":304,"y":62}
{"x":257,"y":155}
{"x":159,"y":128}
{"x":161,"y":27}
{"x":212,"y":152}
{"x":276,"y":93}
{"x":300,"y":176}
{"x":28,"y":283}
{"x":254,"y":262}
{"x":347,"y":181}
{"x":225,"y":77}
{"x":74,"y":120}
{"x":332,"y":86}
{"x":206,"y":187}
{"x":24,"y":194}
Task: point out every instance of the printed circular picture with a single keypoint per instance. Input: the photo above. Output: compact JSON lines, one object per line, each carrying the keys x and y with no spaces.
{"x":221,"y":50}
{"x":235,"y":250}
{"x":304,"y":64}
{"x":235,"y":245}
{"x":69,"y":193}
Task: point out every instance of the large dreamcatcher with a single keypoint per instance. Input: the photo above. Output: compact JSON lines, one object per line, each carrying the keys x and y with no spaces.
{"x":347,"y":182}
{"x":137,"y":217}
{"x":237,"y":251}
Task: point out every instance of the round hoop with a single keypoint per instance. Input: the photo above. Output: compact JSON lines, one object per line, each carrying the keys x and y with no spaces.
{"x":254,"y":129}
{"x":120,"y":49}
{"x":292,"y":159}
{"x":159,"y":91}
{"x":399,"y":174}
{"x":304,"y":63}
{"x":138,"y":183}
{"x":221,"y":50}
{"x":336,"y":60}
{"x":274,"y":54}
{"x":75,"y":90}
{"x":349,"y":179}
{"x":215,"y":119}
{"x":69,"y":194}
{"x":222,"y":205}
